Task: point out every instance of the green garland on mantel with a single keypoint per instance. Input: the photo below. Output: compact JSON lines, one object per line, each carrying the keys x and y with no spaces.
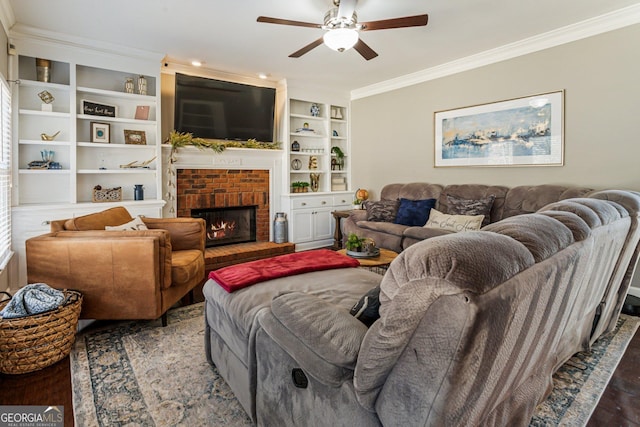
{"x":183,"y":139}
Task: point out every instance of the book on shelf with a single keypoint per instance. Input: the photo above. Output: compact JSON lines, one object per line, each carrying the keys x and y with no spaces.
{"x":338,"y":187}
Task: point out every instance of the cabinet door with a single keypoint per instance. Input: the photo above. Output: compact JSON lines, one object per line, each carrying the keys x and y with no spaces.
{"x":323,"y":224}
{"x":302,"y":225}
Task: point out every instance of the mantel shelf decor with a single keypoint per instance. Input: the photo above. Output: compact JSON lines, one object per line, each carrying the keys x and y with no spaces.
{"x":518,"y":132}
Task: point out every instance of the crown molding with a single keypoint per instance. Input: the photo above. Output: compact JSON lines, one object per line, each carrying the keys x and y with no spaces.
{"x":601,"y":24}
{"x":7,"y":17}
{"x":51,"y":37}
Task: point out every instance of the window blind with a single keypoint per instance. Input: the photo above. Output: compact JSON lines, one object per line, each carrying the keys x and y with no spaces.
{"x":5,"y":173}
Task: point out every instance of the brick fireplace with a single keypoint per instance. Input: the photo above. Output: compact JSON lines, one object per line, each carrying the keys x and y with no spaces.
{"x":220,"y":188}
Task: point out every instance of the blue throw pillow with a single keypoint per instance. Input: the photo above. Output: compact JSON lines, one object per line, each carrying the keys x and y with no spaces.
{"x":414,"y":212}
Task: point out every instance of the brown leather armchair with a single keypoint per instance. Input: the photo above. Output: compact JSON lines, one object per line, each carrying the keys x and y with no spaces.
{"x":122,"y":274}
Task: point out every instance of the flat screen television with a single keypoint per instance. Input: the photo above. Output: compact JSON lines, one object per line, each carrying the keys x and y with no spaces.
{"x":217,"y":109}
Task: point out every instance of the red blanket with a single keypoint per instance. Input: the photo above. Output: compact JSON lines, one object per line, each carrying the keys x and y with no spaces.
{"x":240,"y":276}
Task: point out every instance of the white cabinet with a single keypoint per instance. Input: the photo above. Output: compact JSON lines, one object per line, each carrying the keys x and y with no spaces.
{"x":318,"y":143}
{"x":60,"y":156}
{"x":310,"y":221}
{"x":317,"y":132}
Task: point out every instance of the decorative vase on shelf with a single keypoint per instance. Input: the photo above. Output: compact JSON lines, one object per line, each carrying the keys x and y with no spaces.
{"x":142,"y":85}
{"x":128,"y":85}
{"x":295,"y":146}
{"x":315,"y":181}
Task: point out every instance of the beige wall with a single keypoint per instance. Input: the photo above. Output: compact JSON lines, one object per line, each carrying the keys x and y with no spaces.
{"x":392,"y":133}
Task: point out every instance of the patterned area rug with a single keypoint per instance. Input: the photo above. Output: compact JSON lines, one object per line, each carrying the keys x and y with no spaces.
{"x":141,"y":374}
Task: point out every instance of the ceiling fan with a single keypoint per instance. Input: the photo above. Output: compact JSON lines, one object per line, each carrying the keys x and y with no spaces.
{"x":342,"y":26}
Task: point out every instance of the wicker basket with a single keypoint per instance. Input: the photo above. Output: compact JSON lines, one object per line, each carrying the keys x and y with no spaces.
{"x":31,"y":343}
{"x":107,"y":195}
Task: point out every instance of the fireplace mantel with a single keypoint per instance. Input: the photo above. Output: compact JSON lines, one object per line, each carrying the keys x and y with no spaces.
{"x":231,"y":158}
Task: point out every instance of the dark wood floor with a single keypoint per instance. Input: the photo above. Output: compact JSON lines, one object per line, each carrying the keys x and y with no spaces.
{"x":618,"y":406}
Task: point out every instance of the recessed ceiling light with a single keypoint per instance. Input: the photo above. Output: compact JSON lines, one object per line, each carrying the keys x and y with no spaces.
{"x":263,"y":75}
{"x":196,"y":63}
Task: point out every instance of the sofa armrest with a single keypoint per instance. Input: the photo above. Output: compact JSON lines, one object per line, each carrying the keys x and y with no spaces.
{"x":358,"y":215}
{"x":323,"y":338}
{"x":186,"y":233}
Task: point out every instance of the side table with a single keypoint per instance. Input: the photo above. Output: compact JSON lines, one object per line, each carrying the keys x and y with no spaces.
{"x":382,"y":261}
{"x":337,"y":234}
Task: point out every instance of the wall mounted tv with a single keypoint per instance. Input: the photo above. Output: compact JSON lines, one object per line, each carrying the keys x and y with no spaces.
{"x":224,"y":110}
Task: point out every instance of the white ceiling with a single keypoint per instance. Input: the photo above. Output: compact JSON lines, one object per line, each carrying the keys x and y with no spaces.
{"x":224,"y":34}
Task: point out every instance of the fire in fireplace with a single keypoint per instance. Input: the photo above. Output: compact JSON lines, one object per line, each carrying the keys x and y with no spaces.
{"x":228,"y":225}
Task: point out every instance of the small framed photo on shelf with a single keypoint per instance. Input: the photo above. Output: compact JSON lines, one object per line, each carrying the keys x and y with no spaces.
{"x":136,"y":137}
{"x":142,"y":112}
{"x":100,"y":132}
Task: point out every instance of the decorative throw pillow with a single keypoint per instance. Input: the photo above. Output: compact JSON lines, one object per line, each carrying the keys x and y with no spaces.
{"x":382,"y":211}
{"x":458,"y":206}
{"x":455,"y":223}
{"x":367,"y":309}
{"x":414,"y":212}
{"x":135,"y":224}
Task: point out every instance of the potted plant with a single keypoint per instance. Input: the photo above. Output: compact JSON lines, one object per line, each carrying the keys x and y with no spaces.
{"x":299,"y":187}
{"x":354,"y":243}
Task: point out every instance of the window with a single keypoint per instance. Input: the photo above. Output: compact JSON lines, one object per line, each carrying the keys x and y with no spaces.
{"x":5,"y":174}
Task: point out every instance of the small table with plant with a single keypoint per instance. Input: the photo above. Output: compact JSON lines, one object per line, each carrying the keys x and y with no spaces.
{"x":364,"y":245}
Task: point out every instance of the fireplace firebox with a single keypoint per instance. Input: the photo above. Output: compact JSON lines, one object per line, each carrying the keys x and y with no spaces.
{"x":228,"y":225}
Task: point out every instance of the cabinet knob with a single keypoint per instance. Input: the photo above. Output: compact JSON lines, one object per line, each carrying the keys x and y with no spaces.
{"x":303,"y":204}
{"x":344,"y":201}
{"x":324,"y":203}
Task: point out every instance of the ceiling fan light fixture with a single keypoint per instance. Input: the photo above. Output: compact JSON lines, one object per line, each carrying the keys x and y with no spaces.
{"x":340,"y":39}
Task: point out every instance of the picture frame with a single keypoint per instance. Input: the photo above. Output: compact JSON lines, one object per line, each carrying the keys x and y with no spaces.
{"x":100,"y":132}
{"x":92,"y":108}
{"x":136,"y":137}
{"x":142,"y":112}
{"x":526,"y":131}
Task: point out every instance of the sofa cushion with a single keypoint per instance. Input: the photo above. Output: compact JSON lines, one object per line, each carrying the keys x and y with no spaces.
{"x":382,"y":211}
{"x":455,"y":223}
{"x":459,"y":206}
{"x":367,"y":308}
{"x":414,"y":212}
{"x":185,"y":265}
{"x":383,"y":227}
{"x":133,"y":225}
{"x":99,"y":220}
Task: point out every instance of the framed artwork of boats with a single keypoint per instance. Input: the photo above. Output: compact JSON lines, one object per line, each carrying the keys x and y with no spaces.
{"x":526,"y":131}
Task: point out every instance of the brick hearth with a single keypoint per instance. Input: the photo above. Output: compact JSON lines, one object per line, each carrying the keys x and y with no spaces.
{"x":211,"y":188}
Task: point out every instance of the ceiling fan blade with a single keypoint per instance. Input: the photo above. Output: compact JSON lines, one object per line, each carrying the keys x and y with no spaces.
{"x":385,"y":24}
{"x":363,"y":49}
{"x":269,"y":20}
{"x":307,"y":48}
{"x":346,"y":8}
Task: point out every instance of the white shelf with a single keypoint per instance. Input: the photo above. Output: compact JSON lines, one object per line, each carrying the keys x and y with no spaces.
{"x":115,"y":145}
{"x":116,"y":94}
{"x":307,"y":134}
{"x":41,"y":142}
{"x":44,"y":113}
{"x":115,"y":119}
{"x":139,"y":171}
{"x":43,"y":171}
{"x":44,"y":85}
{"x":307,"y":117}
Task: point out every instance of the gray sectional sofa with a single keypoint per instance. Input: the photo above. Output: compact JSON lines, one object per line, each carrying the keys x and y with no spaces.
{"x":472,"y":325}
{"x":507,"y":203}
